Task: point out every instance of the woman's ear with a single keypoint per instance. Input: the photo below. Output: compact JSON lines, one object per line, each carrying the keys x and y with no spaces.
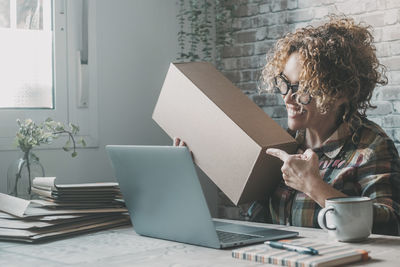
{"x":342,"y":110}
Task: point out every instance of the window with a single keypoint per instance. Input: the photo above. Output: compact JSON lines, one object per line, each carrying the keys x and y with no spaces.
{"x":26,"y":54}
{"x":48,"y":62}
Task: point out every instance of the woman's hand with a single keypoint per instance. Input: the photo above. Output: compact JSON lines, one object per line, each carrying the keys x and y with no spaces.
{"x":178,"y":142}
{"x":299,"y":171}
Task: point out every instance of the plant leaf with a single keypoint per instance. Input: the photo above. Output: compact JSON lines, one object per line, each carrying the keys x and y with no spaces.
{"x":83,"y":142}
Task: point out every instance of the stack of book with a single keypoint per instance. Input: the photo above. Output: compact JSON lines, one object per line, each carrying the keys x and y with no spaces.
{"x":61,"y":210}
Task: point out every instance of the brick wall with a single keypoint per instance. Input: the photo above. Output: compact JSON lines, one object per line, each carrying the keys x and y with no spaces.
{"x":259,"y":23}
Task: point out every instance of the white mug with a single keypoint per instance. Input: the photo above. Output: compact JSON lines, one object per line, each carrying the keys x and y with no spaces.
{"x":347,"y":219}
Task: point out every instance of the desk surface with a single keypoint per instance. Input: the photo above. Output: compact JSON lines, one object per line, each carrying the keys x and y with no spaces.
{"x":123,"y":247}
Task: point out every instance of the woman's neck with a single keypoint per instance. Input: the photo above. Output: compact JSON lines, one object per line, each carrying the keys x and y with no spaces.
{"x":315,"y":137}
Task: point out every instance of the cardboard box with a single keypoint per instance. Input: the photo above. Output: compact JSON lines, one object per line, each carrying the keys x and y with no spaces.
{"x":226,"y":131}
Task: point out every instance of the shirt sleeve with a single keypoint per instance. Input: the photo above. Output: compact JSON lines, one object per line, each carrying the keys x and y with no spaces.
{"x":379,"y":179}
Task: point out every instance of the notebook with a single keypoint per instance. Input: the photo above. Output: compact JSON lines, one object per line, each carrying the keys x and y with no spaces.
{"x":165,"y":200}
{"x":330,"y":254}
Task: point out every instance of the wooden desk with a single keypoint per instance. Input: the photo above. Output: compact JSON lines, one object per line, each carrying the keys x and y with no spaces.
{"x":123,"y":247}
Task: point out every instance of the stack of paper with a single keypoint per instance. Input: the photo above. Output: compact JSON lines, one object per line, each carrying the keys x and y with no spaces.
{"x":61,"y":210}
{"x":92,"y":194}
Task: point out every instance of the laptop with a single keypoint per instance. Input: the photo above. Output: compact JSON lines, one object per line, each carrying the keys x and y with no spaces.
{"x":165,"y":200}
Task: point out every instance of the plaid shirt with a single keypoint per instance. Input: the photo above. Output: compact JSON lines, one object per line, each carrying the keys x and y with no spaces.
{"x":361,"y":162}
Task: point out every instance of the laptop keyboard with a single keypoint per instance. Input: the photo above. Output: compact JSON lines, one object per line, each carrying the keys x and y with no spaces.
{"x":228,"y":237}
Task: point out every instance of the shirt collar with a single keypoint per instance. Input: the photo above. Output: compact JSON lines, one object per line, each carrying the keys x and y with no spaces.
{"x":333,"y":145}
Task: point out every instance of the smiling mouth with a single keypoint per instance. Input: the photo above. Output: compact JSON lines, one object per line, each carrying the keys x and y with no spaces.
{"x":292,"y":112}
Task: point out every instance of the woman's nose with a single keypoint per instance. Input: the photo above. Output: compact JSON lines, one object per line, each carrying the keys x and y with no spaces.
{"x":290,"y":97}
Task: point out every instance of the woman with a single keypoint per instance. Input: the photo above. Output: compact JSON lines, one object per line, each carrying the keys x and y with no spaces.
{"x":326,"y":76}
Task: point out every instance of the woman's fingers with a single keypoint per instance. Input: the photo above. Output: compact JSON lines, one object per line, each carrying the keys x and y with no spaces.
{"x":298,"y":170}
{"x":308,"y":154}
{"x":282,"y":155}
{"x":287,"y":170}
{"x":176,"y":141}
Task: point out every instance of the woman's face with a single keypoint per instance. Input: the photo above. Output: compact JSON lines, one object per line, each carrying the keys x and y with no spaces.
{"x":309,"y":116}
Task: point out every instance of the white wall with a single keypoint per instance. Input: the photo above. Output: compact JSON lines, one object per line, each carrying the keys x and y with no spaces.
{"x":136,"y":41}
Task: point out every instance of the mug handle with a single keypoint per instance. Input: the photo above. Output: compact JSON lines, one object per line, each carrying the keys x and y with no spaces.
{"x":322,"y":218}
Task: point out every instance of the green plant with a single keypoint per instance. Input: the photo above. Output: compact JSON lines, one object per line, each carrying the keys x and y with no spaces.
{"x":31,"y":135}
{"x":198,"y":21}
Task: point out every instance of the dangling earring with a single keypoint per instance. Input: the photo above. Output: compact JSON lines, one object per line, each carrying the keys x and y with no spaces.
{"x":343,"y":112}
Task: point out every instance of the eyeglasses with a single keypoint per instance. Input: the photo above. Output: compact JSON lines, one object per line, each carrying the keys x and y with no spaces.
{"x":282,"y":85}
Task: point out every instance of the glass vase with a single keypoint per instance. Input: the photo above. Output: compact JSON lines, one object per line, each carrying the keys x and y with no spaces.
{"x":20,"y":175}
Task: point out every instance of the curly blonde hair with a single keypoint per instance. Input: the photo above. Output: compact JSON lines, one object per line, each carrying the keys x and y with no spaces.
{"x":339,"y":61}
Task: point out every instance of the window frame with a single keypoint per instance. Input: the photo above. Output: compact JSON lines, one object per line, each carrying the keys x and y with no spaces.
{"x":71,"y":80}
